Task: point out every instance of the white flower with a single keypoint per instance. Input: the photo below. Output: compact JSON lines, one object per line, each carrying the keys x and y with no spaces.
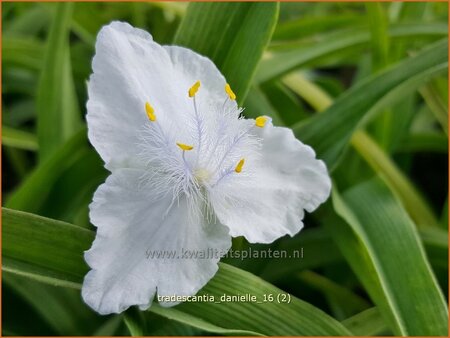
{"x":187,"y":172}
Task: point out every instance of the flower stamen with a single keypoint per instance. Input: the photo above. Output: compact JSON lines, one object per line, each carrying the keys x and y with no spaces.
{"x":239,"y":166}
{"x":150,"y":112}
{"x":185,"y":147}
{"x":260,"y":121}
{"x":193,"y":90}
{"x":230,"y":93}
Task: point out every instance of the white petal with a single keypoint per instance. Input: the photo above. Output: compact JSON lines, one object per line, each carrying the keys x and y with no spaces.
{"x":131,"y":69}
{"x":133,"y":221}
{"x":193,"y":67}
{"x":125,"y":61}
{"x":268,"y":202}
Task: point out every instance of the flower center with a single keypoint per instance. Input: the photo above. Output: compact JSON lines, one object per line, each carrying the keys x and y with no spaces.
{"x":202,"y":175}
{"x":204,"y":162}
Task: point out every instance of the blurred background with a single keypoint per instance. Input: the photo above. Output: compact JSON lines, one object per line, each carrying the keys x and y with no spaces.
{"x":329,"y":47}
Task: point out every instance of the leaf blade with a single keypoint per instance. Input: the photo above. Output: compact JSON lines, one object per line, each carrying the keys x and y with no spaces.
{"x":17,"y":138}
{"x":57,"y":108}
{"x":336,"y":43}
{"x":329,"y":133}
{"x":30,"y":195}
{"x":374,"y":237}
{"x":55,"y":248}
{"x":232,"y":25}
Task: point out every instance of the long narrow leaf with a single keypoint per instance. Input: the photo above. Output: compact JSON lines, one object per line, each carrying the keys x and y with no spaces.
{"x":380,"y":162}
{"x":61,"y":308}
{"x":374,"y":238}
{"x":329,"y":133}
{"x":336,"y":43}
{"x":57,"y":107}
{"x":51,"y":251}
{"x":31,"y":194}
{"x":241,"y":32}
{"x":17,"y":138}
{"x":367,"y":323}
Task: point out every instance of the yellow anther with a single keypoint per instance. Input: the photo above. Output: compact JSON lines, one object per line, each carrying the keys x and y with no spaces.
{"x":230,"y":93}
{"x":150,"y":112}
{"x":260,"y":121}
{"x":185,"y":146}
{"x":239,"y":166}
{"x":193,"y":90}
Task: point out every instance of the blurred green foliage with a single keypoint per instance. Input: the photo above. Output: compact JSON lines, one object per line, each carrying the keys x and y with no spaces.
{"x":365,"y":84}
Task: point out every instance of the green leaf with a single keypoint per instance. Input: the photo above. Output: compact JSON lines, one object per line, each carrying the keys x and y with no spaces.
{"x":17,"y":138}
{"x":378,"y":25}
{"x":367,"y":323}
{"x":175,"y":8}
{"x":315,"y":97}
{"x":135,"y":324}
{"x":320,"y":282}
{"x":13,"y":319}
{"x":18,"y":161}
{"x":380,"y":162}
{"x":29,"y":23}
{"x":308,"y":25}
{"x":435,"y":241}
{"x":444,"y":215}
{"x":223,"y":32}
{"x":110,"y":327}
{"x":186,"y":318}
{"x":44,"y":249}
{"x":18,"y":82}
{"x":424,"y":142}
{"x":412,"y":200}
{"x":312,"y":241}
{"x":347,"y":302}
{"x":57,"y":107}
{"x":83,"y":34}
{"x":22,"y":52}
{"x":329,"y":133}
{"x":19,"y":113}
{"x":337,"y":43}
{"x":289,"y":109}
{"x":51,"y":251}
{"x":382,"y":246}
{"x":271,"y":318}
{"x":61,"y":308}
{"x":384,"y":126}
{"x":72,"y":191}
{"x":151,"y":324}
{"x":437,"y":106}
{"x":31,"y":194}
